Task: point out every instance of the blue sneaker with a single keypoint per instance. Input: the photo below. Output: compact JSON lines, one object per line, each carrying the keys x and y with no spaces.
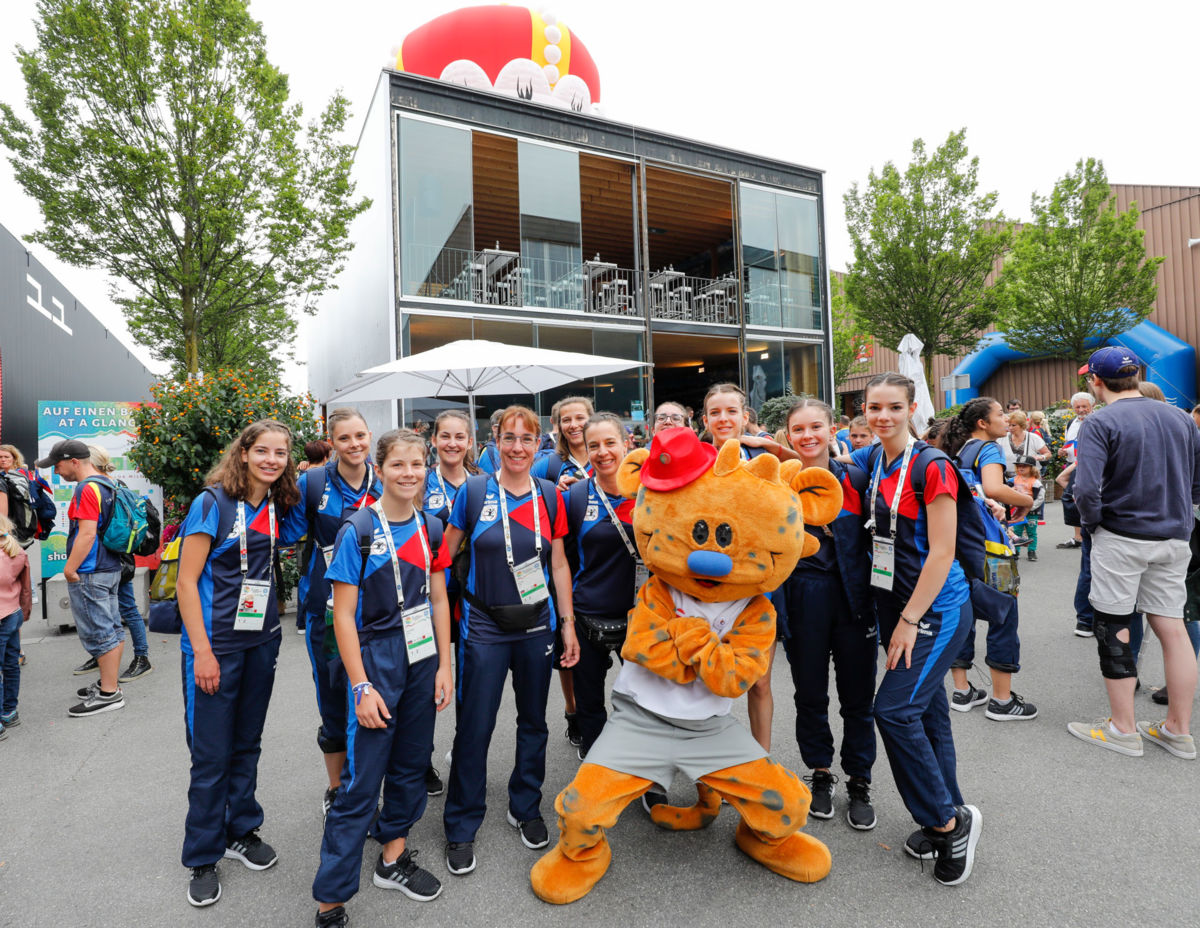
{"x":11,"y":720}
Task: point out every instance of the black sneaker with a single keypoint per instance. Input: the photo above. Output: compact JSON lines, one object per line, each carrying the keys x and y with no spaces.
{"x":919,"y":847}
{"x":652,"y":798}
{"x":860,"y":814}
{"x":138,"y":667}
{"x":88,"y":666}
{"x":821,"y":783}
{"x":581,"y":753}
{"x":433,"y":782}
{"x":252,"y":850}
{"x":1158,"y":697}
{"x":1017,"y":710}
{"x":956,"y":849}
{"x":533,"y":832}
{"x":334,"y":918}
{"x":460,"y":857}
{"x":327,"y":802}
{"x":205,"y":886}
{"x":404,"y":874}
{"x":1073,"y":543}
{"x":573,"y":734}
{"x":965,"y":702}
{"x":1084,"y":631}
{"x":97,"y":702}
{"x":1031,"y":556}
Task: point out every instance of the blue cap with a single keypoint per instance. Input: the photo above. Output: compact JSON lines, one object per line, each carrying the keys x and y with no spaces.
{"x":1112,"y":363}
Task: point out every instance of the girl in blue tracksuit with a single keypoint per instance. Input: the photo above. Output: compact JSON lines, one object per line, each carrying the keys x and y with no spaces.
{"x":392,"y":626}
{"x":230,"y":643}
{"x":922,"y":603}
{"x":604,"y":556}
{"x":830,"y":614}
{"x":327,"y":494}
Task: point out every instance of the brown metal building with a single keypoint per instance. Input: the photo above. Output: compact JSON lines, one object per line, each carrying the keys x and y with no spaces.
{"x":1170,"y":217}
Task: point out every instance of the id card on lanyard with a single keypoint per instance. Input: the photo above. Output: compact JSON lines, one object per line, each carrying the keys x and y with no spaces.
{"x":255,"y":594}
{"x":883,"y":550}
{"x":640,"y":573}
{"x":418,"y":620}
{"x":528,"y":575}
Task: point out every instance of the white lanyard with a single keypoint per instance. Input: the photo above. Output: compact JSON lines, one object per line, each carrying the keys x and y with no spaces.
{"x":367,"y":490}
{"x":377,"y":508}
{"x":582,"y":468}
{"x":537,"y":522}
{"x":241,"y":530}
{"x":437,"y":472}
{"x":878,"y":476}
{"x":615,"y":521}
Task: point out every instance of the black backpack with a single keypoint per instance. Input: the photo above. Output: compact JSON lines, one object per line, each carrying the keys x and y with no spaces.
{"x":22,"y":511}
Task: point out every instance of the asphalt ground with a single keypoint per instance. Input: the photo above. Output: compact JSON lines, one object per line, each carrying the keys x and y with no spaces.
{"x":92,"y":810}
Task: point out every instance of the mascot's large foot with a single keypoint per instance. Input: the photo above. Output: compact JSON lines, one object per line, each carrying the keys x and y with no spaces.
{"x":799,"y":856}
{"x":689,"y":818}
{"x":558,"y":879}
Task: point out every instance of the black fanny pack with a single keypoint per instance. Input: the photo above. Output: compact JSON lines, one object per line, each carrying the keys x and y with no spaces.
{"x":607,"y":633}
{"x":512,"y":619}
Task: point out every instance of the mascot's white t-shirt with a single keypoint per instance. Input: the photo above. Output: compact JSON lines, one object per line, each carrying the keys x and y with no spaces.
{"x":681,"y":700}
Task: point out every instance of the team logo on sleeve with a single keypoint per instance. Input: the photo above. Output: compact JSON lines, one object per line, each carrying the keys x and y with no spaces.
{"x":592,"y":514}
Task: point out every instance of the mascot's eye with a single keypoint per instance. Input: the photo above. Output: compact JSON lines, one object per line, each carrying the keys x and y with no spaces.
{"x":724,"y":535}
{"x":700,"y":532}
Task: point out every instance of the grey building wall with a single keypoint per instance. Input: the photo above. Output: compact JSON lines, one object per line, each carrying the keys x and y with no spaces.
{"x":52,"y":348}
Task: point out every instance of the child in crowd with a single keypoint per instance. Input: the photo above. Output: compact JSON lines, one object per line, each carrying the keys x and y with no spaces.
{"x":16,"y":602}
{"x":860,"y":433}
{"x":1028,"y":482}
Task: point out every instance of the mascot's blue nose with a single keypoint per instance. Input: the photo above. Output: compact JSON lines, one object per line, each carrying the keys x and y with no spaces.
{"x":709,"y":563}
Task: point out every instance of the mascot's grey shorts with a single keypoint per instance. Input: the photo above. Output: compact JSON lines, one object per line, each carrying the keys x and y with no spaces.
{"x":638,"y":742}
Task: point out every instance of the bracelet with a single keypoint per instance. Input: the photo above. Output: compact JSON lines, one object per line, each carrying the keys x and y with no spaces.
{"x":567,"y":618}
{"x":360,"y":689}
{"x":908,"y":620}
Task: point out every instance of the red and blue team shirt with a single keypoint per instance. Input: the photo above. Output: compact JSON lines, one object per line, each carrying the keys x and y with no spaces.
{"x":220,"y":584}
{"x":338,"y":500}
{"x":825,"y":560}
{"x":911,"y":532}
{"x":92,"y":501}
{"x":604,"y":580}
{"x":379,"y":612}
{"x":490,"y":578}
{"x":439,"y":495}
{"x":554,"y":467}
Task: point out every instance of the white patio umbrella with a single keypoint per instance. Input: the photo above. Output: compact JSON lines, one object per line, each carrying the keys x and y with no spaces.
{"x":474,"y":366}
{"x":911,"y":367}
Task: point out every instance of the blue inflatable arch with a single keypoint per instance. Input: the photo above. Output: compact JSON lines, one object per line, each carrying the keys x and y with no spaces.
{"x":1170,"y":361}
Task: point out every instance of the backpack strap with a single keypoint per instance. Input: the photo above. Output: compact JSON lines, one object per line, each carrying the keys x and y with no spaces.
{"x":549,"y":491}
{"x":313,"y":491}
{"x":363,"y":521}
{"x":577,"y":498}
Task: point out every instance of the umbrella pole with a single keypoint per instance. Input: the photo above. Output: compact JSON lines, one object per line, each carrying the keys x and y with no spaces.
{"x":471,"y":407}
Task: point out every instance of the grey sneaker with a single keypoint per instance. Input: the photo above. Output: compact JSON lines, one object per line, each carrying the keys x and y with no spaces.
{"x":1102,"y":734}
{"x":1180,"y":745}
{"x":965,"y":702}
{"x":96,"y":703}
{"x":138,"y":667}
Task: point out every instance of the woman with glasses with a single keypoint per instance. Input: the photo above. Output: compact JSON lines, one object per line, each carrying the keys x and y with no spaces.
{"x":668,"y":416}
{"x":513,"y":524}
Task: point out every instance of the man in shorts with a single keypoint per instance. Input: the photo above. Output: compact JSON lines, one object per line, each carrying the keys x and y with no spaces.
{"x":1137,"y":479}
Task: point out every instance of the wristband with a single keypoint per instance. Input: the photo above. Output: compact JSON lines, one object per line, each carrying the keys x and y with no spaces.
{"x":567,"y":618}
{"x":359,"y":690}
{"x":903,"y":617}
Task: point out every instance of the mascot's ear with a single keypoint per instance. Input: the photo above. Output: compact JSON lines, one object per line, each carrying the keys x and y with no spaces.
{"x":729,"y":458}
{"x":629,"y":476}
{"x":765,"y":466}
{"x":819,"y":491}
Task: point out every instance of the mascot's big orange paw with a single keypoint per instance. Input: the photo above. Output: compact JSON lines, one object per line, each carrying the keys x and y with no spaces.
{"x":799,"y":856}
{"x":689,"y":818}
{"x":559,"y":880}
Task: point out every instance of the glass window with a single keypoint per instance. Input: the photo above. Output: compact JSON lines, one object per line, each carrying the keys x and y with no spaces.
{"x":435,"y":210}
{"x":759,"y":244}
{"x":624,"y":392}
{"x":765,"y":366}
{"x":799,"y":261}
{"x":550,"y":226}
{"x":565,"y":338}
{"x":803,"y":367}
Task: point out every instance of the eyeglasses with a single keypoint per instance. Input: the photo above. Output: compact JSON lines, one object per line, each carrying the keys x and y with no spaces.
{"x":525,"y":441}
{"x":669,"y":417}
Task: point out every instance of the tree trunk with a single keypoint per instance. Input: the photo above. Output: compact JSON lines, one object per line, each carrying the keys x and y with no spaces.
{"x":927,"y":360}
{"x":188,"y":303}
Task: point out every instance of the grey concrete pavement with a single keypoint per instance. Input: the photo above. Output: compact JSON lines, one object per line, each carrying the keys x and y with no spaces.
{"x":91,"y":813}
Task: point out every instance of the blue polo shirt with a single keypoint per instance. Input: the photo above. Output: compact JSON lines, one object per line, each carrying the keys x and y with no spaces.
{"x":603,"y":582}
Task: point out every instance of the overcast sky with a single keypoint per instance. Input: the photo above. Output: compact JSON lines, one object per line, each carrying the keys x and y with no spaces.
{"x":842,"y":87}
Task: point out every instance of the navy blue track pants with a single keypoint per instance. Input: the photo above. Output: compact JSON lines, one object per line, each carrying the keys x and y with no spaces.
{"x":482,"y":669}
{"x":224,"y":734}
{"x":329,"y":678}
{"x":913,"y":713}
{"x":819,"y":625}
{"x":396,"y":757}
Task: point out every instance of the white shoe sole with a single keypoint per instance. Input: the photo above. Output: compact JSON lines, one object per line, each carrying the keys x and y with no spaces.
{"x":1082,"y":634}
{"x":111,"y":707}
{"x":465,"y":870}
{"x":231,"y":854}
{"x":517,"y":825}
{"x":929,"y":855}
{"x":823,"y":816}
{"x":205,"y":902}
{"x":390,"y":884}
{"x":874,"y":822}
{"x":1108,"y":745}
{"x":1002,"y":717}
{"x":1166,"y":746}
{"x":144,"y":673}
{"x":967,"y":707}
{"x":972,"y":840}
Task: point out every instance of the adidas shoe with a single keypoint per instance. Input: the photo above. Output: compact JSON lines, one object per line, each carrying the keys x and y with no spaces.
{"x":956,"y":849}
{"x":821,"y":783}
{"x":205,"y":886}
{"x":1015,"y":710}
{"x":860,"y":813}
{"x":252,"y":850}
{"x":965,"y":702}
{"x":404,"y":874}
{"x":919,"y":847}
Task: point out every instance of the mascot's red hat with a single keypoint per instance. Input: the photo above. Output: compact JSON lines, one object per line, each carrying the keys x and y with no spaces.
{"x":677,"y":457}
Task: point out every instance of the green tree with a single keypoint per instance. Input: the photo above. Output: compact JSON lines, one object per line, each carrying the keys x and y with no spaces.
{"x":924,"y":243}
{"x":1077,"y":272}
{"x":164,"y":152}
{"x":846,"y":334}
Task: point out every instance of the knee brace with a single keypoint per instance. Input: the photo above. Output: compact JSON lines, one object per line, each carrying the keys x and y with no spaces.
{"x":330,"y":744}
{"x":1116,"y":656}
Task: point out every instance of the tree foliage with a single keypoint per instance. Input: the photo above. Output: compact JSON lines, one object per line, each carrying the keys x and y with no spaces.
{"x":181,"y":438}
{"x":924,"y":243}
{"x":850,"y":341}
{"x":1077,"y":272}
{"x":163,"y":151}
